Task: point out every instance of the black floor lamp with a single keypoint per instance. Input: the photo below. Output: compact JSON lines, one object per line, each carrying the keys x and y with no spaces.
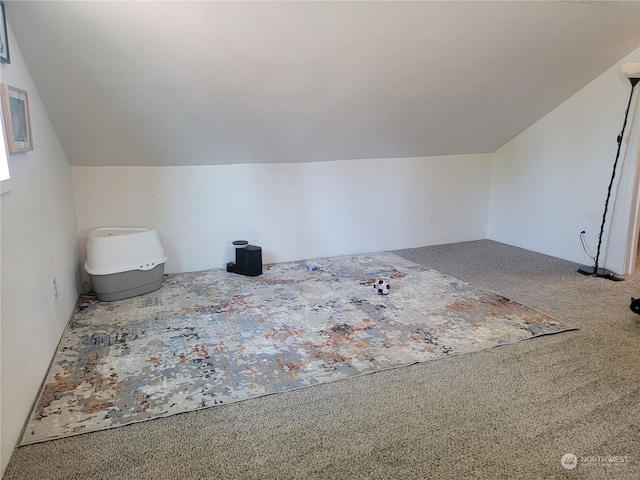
{"x":632,"y":72}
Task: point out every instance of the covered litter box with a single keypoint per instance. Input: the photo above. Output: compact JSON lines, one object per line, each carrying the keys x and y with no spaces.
{"x":123,"y":262}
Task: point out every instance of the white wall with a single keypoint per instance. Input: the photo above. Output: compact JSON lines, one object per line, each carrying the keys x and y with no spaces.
{"x":39,"y":238}
{"x":551,"y":181}
{"x":304,"y":210}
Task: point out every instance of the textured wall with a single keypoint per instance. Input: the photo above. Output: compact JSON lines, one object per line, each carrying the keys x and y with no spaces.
{"x":550,"y":182}
{"x":301,"y":210}
{"x":39,"y":243}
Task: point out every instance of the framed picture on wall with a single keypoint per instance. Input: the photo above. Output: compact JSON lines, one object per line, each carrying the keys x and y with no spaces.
{"x":17,"y":121}
{"x":4,"y":37}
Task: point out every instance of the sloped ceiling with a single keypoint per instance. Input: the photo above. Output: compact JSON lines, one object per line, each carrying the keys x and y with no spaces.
{"x":193,"y":83}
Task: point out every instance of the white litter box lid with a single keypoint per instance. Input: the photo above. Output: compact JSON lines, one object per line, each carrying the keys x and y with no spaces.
{"x":120,"y":249}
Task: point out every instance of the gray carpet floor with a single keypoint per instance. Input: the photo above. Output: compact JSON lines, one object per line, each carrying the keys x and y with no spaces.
{"x":510,"y":412}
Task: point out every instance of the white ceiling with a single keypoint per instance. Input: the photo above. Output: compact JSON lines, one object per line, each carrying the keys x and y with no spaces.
{"x":192,"y":83}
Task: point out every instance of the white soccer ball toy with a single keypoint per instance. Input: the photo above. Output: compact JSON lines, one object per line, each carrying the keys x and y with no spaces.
{"x":381,"y":286}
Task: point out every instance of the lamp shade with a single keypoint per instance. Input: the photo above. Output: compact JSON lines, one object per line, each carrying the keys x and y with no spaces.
{"x":631,"y":69}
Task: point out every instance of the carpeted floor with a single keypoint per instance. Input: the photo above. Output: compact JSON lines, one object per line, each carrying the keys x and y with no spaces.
{"x":509,"y":412}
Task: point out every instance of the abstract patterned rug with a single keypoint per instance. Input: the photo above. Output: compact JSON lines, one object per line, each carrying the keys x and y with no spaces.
{"x":210,"y":338}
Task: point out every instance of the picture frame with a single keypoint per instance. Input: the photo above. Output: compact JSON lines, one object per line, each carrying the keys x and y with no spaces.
{"x":4,"y":37}
{"x":17,"y":119}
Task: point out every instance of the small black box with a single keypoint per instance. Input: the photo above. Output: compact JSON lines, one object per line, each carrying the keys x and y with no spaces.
{"x":248,"y":261}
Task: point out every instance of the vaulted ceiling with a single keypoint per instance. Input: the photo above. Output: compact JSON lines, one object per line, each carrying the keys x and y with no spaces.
{"x":193,"y":83}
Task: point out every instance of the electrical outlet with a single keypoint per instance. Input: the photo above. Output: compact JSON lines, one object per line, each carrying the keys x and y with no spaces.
{"x":431,"y":217}
{"x":55,"y":289}
{"x":253,"y":234}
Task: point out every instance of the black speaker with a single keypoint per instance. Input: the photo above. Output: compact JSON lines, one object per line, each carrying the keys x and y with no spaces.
{"x":248,"y":261}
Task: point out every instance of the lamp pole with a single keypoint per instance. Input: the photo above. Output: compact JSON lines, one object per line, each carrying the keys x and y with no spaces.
{"x":597,"y":271}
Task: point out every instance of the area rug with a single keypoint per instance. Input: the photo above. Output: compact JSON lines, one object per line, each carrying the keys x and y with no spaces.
{"x":210,"y":338}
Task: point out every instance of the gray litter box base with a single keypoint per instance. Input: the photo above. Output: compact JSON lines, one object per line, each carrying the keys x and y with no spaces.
{"x":119,"y":286}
